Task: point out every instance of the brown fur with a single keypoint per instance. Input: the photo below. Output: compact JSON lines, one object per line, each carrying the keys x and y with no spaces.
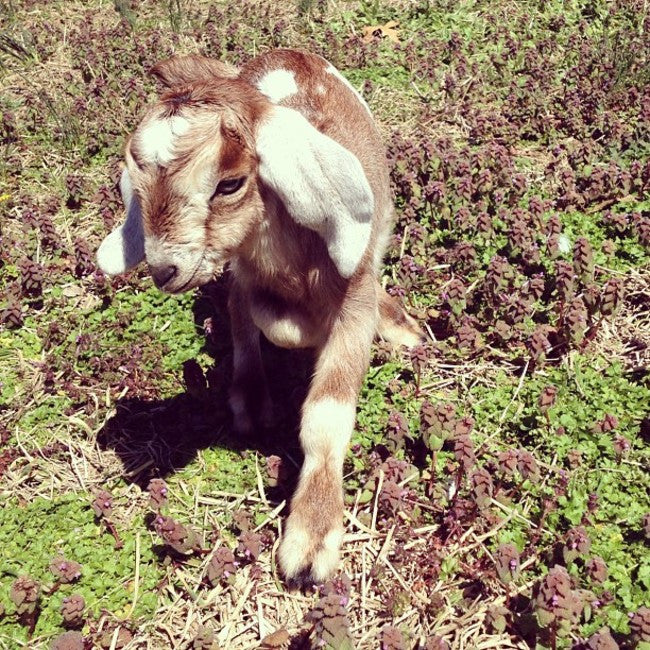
{"x":191,"y":68}
{"x":394,"y":323}
{"x":319,"y":501}
{"x":161,"y":206}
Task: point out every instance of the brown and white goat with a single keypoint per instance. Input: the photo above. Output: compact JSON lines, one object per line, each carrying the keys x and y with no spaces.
{"x":276,"y":168}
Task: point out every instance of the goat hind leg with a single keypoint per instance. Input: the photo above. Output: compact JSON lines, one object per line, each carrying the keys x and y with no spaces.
{"x":395,"y":325}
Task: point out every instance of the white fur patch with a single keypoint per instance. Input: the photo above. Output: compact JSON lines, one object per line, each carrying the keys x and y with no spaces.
{"x":126,"y":187}
{"x":283,"y":332}
{"x":278,"y":85}
{"x":325,"y":432}
{"x":123,"y":248}
{"x":292,"y":552}
{"x":157,"y":139}
{"x":333,"y":71}
{"x":321,"y":183}
{"x":294,"y":556}
{"x":327,"y":558}
{"x":284,"y":328}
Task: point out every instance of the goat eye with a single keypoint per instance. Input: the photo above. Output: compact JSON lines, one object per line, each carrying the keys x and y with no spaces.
{"x":228,"y":186}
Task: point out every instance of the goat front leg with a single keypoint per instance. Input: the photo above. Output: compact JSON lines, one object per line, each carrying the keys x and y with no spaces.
{"x":309,"y":551}
{"x":248,"y":397}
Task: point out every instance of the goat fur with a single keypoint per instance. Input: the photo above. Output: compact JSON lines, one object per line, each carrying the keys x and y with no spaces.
{"x":277,"y":169}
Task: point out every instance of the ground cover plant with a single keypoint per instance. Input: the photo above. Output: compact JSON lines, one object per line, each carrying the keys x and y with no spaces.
{"x":497,"y":484}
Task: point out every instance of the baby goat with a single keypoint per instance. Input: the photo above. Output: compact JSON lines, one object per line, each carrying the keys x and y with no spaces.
{"x":276,"y":168}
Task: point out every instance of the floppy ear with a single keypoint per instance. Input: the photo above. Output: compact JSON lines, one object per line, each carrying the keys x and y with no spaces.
{"x":188,"y":69}
{"x":320,"y":182}
{"x":124,"y":247}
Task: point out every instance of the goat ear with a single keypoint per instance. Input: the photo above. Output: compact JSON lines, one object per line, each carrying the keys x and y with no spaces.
{"x":124,"y":247}
{"x":183,"y":70}
{"x":320,"y":182}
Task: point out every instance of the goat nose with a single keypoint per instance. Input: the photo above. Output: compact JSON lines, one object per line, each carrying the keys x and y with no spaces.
{"x":162,"y":274}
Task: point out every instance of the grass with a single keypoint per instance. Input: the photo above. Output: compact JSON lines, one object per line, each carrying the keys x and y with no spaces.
{"x":514,"y":130}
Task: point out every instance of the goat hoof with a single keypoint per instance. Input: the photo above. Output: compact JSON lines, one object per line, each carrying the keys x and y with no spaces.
{"x":303,"y":582}
{"x":307,"y":557}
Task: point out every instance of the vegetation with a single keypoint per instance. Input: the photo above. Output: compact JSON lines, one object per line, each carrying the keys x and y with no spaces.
{"x":497,"y":484}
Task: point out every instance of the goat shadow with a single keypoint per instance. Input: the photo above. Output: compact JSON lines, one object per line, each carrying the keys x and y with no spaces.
{"x":155,"y":438}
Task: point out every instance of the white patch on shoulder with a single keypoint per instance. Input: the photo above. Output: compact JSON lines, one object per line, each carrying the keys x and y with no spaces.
{"x":157,"y":139}
{"x":333,"y":71}
{"x":278,"y":85}
{"x":320,"y":89}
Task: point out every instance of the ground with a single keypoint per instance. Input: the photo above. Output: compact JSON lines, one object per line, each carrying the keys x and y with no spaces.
{"x":497,"y":484}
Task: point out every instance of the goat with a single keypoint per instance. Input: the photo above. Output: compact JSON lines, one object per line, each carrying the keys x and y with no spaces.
{"x":278,"y":169}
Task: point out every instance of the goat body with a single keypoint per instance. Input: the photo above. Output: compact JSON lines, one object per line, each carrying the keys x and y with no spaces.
{"x":278,"y":169}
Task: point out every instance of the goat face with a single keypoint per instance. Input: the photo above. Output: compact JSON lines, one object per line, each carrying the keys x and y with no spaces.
{"x":191,"y":182}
